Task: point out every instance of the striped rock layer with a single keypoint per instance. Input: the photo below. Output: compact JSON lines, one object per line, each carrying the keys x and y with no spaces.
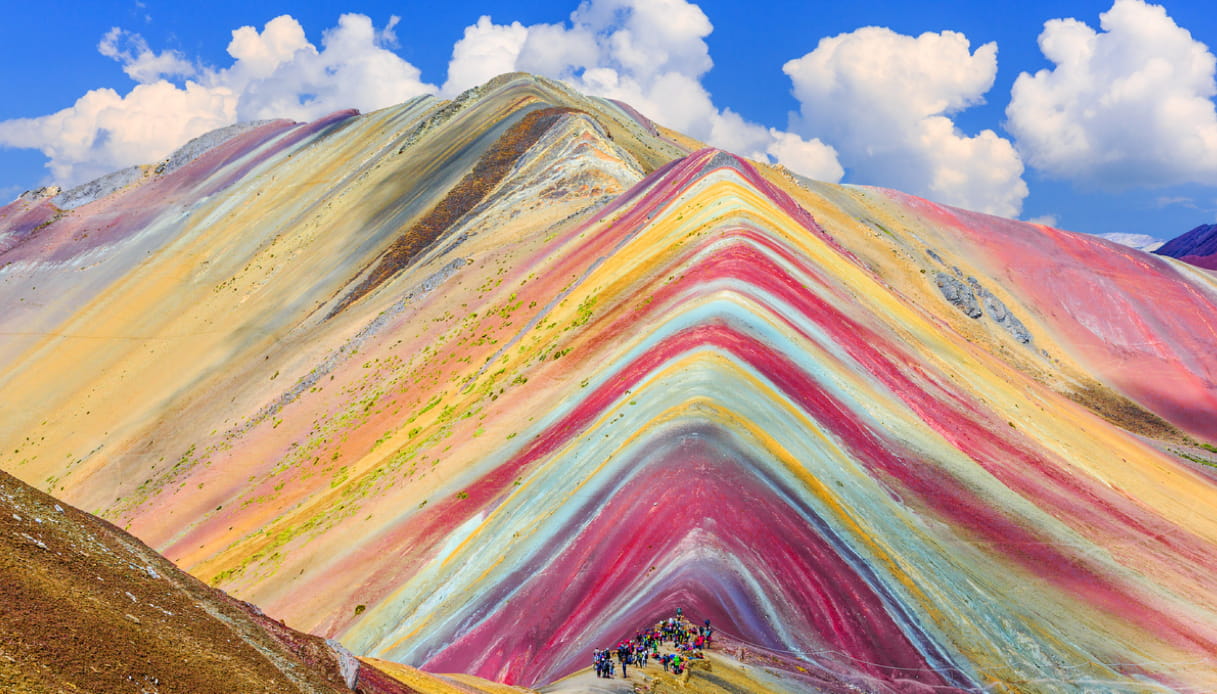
{"x":478,"y":386}
{"x":1198,"y":247}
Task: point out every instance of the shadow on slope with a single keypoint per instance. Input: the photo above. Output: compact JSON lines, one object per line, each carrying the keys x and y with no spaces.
{"x":86,"y":607}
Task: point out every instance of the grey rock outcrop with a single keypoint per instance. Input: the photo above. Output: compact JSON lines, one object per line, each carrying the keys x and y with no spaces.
{"x":39,"y":193}
{"x":348,"y":664}
{"x":191,"y":150}
{"x":970,"y":297}
{"x":997,"y":311}
{"x":959,"y":294}
{"x":98,"y":188}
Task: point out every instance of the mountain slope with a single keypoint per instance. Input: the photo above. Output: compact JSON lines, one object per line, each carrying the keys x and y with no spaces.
{"x":481,"y":385}
{"x":1198,"y":247}
{"x":87,"y":607}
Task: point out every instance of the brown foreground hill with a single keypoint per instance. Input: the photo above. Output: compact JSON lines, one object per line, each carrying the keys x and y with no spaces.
{"x":86,"y":607}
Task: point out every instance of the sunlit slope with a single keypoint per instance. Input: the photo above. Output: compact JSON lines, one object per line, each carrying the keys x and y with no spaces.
{"x":140,"y":300}
{"x":432,"y":381}
{"x":1112,"y":323}
{"x":759,"y":429}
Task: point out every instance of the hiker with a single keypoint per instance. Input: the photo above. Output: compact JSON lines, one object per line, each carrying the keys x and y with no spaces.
{"x":603,"y":664}
{"x":688,"y":639}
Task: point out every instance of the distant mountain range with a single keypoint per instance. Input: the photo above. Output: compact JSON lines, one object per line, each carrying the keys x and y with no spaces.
{"x":1198,"y":247}
{"x":479,"y":385}
{"x":1141,"y":242}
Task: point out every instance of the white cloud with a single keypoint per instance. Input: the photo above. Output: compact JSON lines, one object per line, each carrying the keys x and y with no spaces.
{"x":1128,"y":106}
{"x":104,"y":131}
{"x":883,"y":100}
{"x":1048,"y":220}
{"x":141,"y":63}
{"x":1169,"y":200}
{"x":486,"y":50}
{"x":275,"y":73}
{"x":648,"y":53}
{"x":800,"y":155}
{"x":259,"y":54}
{"x":279,"y":74}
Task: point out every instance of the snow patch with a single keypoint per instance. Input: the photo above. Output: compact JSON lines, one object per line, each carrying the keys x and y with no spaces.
{"x":1141,"y":242}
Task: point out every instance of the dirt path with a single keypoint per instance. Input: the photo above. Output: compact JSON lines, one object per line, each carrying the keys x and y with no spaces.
{"x":586,"y":682}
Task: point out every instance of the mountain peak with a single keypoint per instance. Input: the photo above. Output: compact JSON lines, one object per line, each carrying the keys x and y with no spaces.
{"x":479,"y":385}
{"x":1198,"y":246}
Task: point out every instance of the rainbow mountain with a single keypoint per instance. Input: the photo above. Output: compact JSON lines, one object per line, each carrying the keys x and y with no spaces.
{"x":479,"y":385}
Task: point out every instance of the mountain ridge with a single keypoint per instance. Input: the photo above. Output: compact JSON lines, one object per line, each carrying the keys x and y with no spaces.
{"x":849,"y":425}
{"x":1197,"y":246}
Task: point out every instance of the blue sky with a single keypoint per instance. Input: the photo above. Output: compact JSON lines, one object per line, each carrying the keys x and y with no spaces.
{"x":1119,"y":134}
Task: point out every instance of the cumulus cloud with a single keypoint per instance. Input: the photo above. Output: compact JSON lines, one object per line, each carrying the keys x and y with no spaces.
{"x":1130,"y":105}
{"x":104,"y":131}
{"x":800,"y":155}
{"x":651,"y":54}
{"x":485,"y":51}
{"x":275,"y":73}
{"x":884,"y":99}
{"x":139,"y":61}
{"x":278,"y":74}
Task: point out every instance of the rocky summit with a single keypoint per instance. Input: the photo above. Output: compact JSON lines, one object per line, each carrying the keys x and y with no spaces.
{"x":478,"y":386}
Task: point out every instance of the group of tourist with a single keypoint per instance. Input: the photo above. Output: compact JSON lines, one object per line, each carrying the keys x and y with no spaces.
{"x":687,"y":641}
